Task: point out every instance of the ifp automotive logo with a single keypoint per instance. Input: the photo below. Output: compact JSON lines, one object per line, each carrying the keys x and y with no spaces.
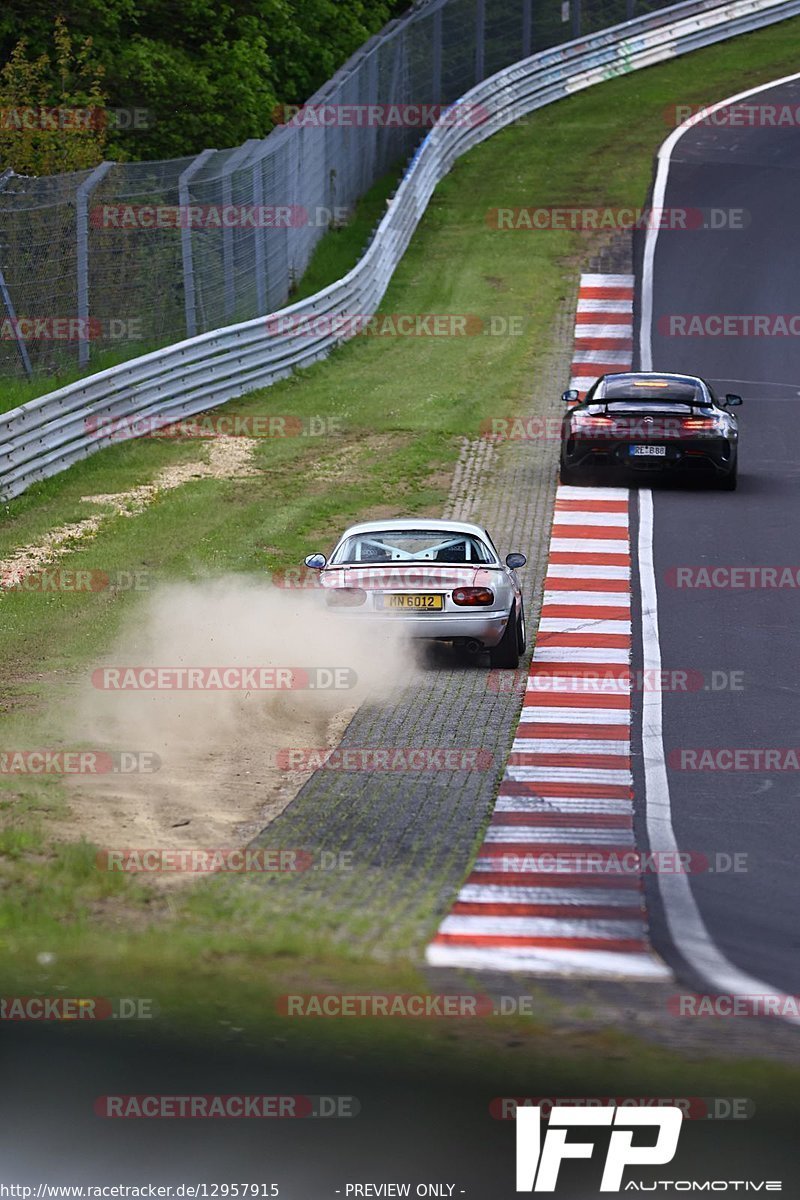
{"x":538,"y":1160}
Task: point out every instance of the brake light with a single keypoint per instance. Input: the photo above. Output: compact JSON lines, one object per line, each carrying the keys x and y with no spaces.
{"x":588,"y":422}
{"x":473,"y":596}
{"x":345,"y":597}
{"x":699,"y":423}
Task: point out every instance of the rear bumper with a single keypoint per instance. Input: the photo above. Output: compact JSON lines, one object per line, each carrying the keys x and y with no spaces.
{"x":715,"y":455}
{"x":484,"y":627}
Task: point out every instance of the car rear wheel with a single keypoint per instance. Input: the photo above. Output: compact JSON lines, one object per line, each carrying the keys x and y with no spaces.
{"x":521,"y":635}
{"x":727,"y":483}
{"x":506,"y":652}
{"x":568,"y":474}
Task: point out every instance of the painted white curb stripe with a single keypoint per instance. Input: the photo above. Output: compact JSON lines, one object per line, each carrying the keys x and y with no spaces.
{"x":540,"y":961}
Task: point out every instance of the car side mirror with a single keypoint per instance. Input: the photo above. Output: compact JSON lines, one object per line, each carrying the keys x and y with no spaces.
{"x":315,"y":561}
{"x":515,"y":560}
{"x":732,"y":399}
{"x":572,"y":394}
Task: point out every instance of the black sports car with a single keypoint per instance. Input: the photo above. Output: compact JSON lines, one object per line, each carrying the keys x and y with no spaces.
{"x":650,"y":423}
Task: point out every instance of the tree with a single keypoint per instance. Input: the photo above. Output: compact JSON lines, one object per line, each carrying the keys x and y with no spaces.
{"x":53,"y":114}
{"x":203,"y":72}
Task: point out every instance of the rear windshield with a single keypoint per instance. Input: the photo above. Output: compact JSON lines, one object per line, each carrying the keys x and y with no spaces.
{"x":663,"y":391}
{"x":412,"y":545}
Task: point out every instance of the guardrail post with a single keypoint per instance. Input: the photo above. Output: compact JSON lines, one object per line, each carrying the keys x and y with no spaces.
{"x":234,"y":161}
{"x":22,"y":349}
{"x":527,"y":28}
{"x":436,"y":81}
{"x":8,"y":303}
{"x":82,"y":245}
{"x":575,"y":10}
{"x":259,"y":234}
{"x":186,"y":240}
{"x":480,"y":39}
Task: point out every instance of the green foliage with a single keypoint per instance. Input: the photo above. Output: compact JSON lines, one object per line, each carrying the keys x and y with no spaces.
{"x":200,"y":72}
{"x":52,"y":107}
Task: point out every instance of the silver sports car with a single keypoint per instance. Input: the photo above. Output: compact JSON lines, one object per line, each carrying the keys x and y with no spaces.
{"x":443,"y":579}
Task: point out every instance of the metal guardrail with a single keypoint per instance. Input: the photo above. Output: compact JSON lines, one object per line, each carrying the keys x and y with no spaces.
{"x":49,"y":434}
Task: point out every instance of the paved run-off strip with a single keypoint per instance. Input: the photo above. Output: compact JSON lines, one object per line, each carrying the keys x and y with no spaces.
{"x":555,"y":887}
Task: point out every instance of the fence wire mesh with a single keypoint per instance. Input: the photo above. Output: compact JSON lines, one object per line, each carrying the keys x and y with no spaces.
{"x":139,"y":255}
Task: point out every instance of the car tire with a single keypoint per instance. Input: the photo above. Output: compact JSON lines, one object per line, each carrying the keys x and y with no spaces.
{"x":521,"y":634}
{"x":727,"y":483}
{"x":506,"y":653}
{"x":568,"y":474}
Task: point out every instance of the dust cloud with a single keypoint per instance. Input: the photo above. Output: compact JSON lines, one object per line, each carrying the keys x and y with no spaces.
{"x":220,"y":778}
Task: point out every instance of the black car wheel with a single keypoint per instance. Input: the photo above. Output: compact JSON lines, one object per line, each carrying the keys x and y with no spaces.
{"x":727,"y":483}
{"x":521,"y":637}
{"x":506,"y":652}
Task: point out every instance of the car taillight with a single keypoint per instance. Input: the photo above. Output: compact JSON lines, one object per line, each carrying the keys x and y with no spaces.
{"x":345,"y":597}
{"x":699,"y":423}
{"x":583,"y":421}
{"x":470,"y":596}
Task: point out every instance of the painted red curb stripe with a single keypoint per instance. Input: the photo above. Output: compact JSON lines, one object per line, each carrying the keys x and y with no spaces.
{"x":594,"y":641}
{"x":562,"y":943}
{"x":605,"y":533}
{"x":565,"y":850}
{"x":547,"y":729}
{"x":576,"y":700}
{"x":594,"y":558}
{"x":475,"y":908}
{"x":601,"y":762}
{"x":549,"y":879}
{"x":603,"y":343}
{"x":592,"y":670}
{"x":565,"y":820}
{"x":617,"y":506}
{"x":583,"y":790}
{"x":606,"y":292}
